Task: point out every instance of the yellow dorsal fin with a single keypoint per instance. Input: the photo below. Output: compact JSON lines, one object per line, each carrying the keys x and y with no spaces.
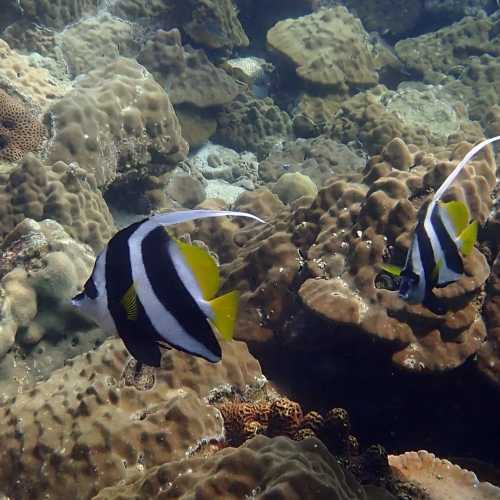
{"x":225,"y":309}
{"x":458,"y":214}
{"x":391,"y":269}
{"x":468,"y":238}
{"x":203,"y":267}
{"x":129,"y":303}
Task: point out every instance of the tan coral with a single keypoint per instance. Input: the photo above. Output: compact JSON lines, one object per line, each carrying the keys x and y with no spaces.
{"x":269,"y":468}
{"x":61,"y":192}
{"x":59,"y":13}
{"x":187,"y":73}
{"x":41,"y":269}
{"x":20,"y":131}
{"x":117,"y":121}
{"x":35,"y":84}
{"x":94,"y":42}
{"x":329,"y":47}
{"x":84,"y":429}
{"x":441,"y":479}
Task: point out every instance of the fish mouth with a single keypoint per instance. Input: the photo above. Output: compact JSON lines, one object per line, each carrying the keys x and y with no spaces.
{"x":76,"y":300}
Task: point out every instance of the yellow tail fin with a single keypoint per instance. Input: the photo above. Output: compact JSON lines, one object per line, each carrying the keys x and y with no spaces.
{"x":225,"y":309}
{"x":468,"y":238}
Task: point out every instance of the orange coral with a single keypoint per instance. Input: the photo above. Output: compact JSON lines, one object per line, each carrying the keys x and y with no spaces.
{"x":20,"y":131}
{"x":283,"y":417}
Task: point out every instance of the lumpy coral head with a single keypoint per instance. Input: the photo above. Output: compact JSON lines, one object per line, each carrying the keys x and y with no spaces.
{"x":20,"y":131}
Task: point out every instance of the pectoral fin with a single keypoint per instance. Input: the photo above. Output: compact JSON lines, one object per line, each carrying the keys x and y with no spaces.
{"x":225,"y":309}
{"x":468,"y":238}
{"x":129,"y":303}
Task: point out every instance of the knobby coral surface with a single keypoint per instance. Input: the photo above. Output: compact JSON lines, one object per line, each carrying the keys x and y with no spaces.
{"x":323,"y":262}
{"x":98,"y":421}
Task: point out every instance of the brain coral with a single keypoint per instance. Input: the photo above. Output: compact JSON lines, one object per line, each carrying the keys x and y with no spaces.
{"x":20,"y":131}
{"x":41,"y":269}
{"x":117,"y":120}
{"x":65,"y":193}
{"x":329,"y":47}
{"x":266,"y":468}
{"x":96,"y":421}
{"x":325,"y":258}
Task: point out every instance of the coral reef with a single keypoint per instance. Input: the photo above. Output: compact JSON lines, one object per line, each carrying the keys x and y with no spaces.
{"x":96,"y":421}
{"x":213,"y":23}
{"x":65,"y":193}
{"x":263,"y":467}
{"x":434,"y":54}
{"x":41,"y":268}
{"x":252,"y":124}
{"x":34,"y":84}
{"x":94,"y":42}
{"x":20,"y":131}
{"x":320,"y":158}
{"x":325,"y":259}
{"x":186,"y":73}
{"x":329,"y":47}
{"x":395,"y":18}
{"x":375,"y":117}
{"x":117,"y":122}
{"x":441,"y":479}
{"x":57,"y":14}
{"x":292,"y":185}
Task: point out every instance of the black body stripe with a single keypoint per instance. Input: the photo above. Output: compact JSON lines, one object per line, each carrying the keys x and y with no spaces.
{"x":426,"y":254}
{"x":139,"y":336}
{"x":172,"y":293}
{"x":450,"y":250}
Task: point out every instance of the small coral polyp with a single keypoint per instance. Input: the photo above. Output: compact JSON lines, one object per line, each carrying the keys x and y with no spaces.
{"x":20,"y":131}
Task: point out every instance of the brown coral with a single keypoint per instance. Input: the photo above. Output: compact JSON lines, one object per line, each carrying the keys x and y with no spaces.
{"x":20,"y":131}
{"x":61,"y":192}
{"x":264,"y":468}
{"x":322,"y":262}
{"x":85,"y":428}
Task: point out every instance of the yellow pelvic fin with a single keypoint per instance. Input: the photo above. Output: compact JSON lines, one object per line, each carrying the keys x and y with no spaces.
{"x":391,"y":269}
{"x":225,"y":309}
{"x":129,"y":303}
{"x":468,"y":238}
{"x":203,"y":267}
{"x":458,"y":214}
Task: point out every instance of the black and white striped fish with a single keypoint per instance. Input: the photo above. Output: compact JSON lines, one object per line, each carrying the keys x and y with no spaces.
{"x":154,"y":290}
{"x":443,"y":234}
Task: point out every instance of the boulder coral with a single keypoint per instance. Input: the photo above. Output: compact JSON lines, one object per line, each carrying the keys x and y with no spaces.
{"x":66,"y":193}
{"x":117,"y":121}
{"x":94,"y":423}
{"x":41,"y":268}
{"x":263,"y":467}
{"x":323,"y":261}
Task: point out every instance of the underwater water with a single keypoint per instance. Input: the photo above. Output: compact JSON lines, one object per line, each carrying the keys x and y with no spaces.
{"x":249,"y":249}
